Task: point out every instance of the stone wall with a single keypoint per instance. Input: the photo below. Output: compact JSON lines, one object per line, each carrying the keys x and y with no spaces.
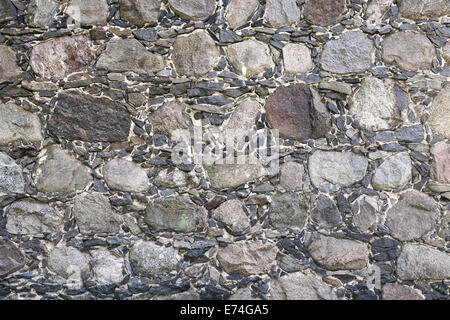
{"x":92,"y":204}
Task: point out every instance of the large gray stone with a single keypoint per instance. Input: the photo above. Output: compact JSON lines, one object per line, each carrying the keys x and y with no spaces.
{"x":195,"y":54}
{"x":376,"y":105}
{"x":107,"y":268}
{"x":440,"y":168}
{"x":419,"y":262}
{"x":123,"y":55}
{"x":177,"y":214}
{"x":297,"y":58}
{"x":223,"y":176}
{"x":124,"y":175}
{"x":11,"y":258}
{"x":153,"y":260}
{"x":394,"y":172}
{"x":140,"y":12}
{"x":169,"y":117}
{"x":42,"y":12}
{"x":289,"y":210}
{"x":353,"y":52}
{"x":9,"y":70}
{"x":396,"y":291}
{"x":413,"y":216}
{"x":11,"y":178}
{"x":248,"y":258}
{"x":231,"y":213}
{"x":408,"y":50}
{"x":291,"y":175}
{"x":79,"y":116}
{"x":242,"y":120}
{"x":93,"y":214}
{"x":423,"y":9}
{"x":59,"y":57}
{"x":18,"y":124}
{"x":68,"y":262}
{"x":29,"y":217}
{"x":177,"y":179}
{"x":57,"y":171}
{"x":88,"y":12}
{"x":238,"y":12}
{"x":281,"y":13}
{"x":301,"y":286}
{"x":249,"y":57}
{"x":337,"y":254}
{"x":368,"y":214}
{"x":326,"y":213}
{"x":193,"y":9}
{"x":336,"y":168}
{"x":377,"y":8}
{"x":439,"y":120}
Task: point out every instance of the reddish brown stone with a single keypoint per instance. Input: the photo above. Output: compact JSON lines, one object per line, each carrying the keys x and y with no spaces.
{"x":440,"y":168}
{"x":59,"y":57}
{"x":97,"y":34}
{"x":297,"y":112}
{"x":323,"y":12}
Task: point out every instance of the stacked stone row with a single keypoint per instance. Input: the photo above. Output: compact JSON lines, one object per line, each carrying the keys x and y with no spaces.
{"x":92,"y":206}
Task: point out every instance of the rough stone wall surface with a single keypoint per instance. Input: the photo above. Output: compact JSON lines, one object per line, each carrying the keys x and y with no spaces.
{"x":92,"y":206}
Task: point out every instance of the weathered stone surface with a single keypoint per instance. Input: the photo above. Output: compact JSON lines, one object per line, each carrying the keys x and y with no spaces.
{"x":11,"y":258}
{"x":323,"y":12}
{"x":337,"y":254}
{"x":39,"y":86}
{"x":195,"y":54}
{"x":377,"y":8}
{"x":177,"y":214}
{"x":88,"y":12}
{"x":439,"y":120}
{"x":291,"y":176}
{"x":9,"y":70}
{"x":29,"y":217}
{"x":376,"y":105}
{"x":248,"y":258}
{"x":80,"y":116}
{"x":231,"y":213}
{"x":368,"y":213}
{"x":153,"y":260}
{"x":394,"y":172}
{"x":297,"y":112}
{"x":350,"y":53}
{"x":42,"y":12}
{"x":57,"y":58}
{"x":170,"y":117}
{"x":440,"y":167}
{"x":336,"y":168}
{"x":249,"y":57}
{"x":140,"y":12}
{"x":124,"y":175}
{"x":223,"y":176}
{"x":411,"y":134}
{"x":301,"y":286}
{"x":337,"y":86}
{"x":242,"y":120}
{"x":419,"y":262}
{"x":177,"y":179}
{"x":68,"y":262}
{"x":423,"y":9}
{"x":11,"y":178}
{"x":281,"y":13}
{"x":7,"y":11}
{"x":290,"y":264}
{"x":123,"y":55}
{"x":297,"y":58}
{"x":446,"y":52}
{"x":243,"y":294}
{"x":413,"y":216}
{"x":408,"y":50}
{"x":57,"y":171}
{"x":289,"y":210}
{"x":93,"y":214}
{"x":107,"y":268}
{"x":395,"y":291}
{"x":193,"y":9}
{"x":326,"y":213}
{"x":238,"y":12}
